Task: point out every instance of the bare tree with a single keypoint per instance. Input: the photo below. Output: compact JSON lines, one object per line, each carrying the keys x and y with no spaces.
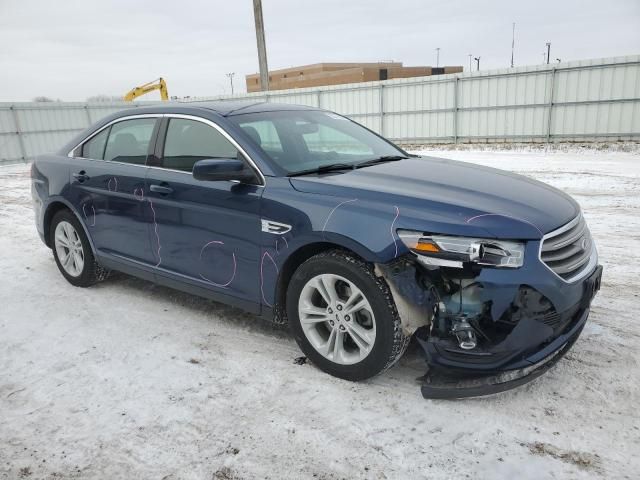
{"x":104,"y":98}
{"x":43,"y":99}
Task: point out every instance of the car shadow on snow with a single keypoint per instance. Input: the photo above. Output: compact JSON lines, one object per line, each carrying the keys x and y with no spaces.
{"x":410,"y":366}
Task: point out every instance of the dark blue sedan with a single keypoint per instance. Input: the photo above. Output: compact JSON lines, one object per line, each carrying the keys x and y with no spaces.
{"x":303,"y":216}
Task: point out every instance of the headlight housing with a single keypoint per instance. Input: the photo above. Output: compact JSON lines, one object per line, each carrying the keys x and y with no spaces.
{"x":451,"y":251}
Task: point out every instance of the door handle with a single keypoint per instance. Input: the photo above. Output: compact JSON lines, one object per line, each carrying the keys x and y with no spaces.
{"x":81,"y":176}
{"x":161,"y":189}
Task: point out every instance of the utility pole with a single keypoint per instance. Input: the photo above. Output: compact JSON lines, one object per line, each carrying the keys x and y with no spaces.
{"x":513,"y":41}
{"x":437,"y":57}
{"x":262,"y":48}
{"x":230,"y":75}
{"x":470,"y":55}
{"x":548,"y":52}
{"x":477,"y":59}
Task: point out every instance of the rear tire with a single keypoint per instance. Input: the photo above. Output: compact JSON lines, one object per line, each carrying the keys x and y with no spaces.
{"x":343,"y":316}
{"x":72,"y":251}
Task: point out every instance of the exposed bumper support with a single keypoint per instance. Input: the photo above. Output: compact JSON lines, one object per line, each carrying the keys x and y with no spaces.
{"x":522,"y":333}
{"x":447,"y":386}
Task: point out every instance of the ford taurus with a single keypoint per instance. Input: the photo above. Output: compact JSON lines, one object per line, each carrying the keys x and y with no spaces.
{"x":305,"y":217}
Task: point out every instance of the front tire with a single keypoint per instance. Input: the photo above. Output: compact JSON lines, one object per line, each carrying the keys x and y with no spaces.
{"x":72,"y":251}
{"x":343,"y":317}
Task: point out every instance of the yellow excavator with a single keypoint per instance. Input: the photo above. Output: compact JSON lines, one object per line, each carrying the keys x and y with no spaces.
{"x":158,"y":84}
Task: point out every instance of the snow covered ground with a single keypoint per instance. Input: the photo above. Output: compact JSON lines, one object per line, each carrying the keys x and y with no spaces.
{"x":131,"y":380}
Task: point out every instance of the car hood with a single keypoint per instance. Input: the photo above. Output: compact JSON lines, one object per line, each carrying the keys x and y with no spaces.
{"x":467,"y":197}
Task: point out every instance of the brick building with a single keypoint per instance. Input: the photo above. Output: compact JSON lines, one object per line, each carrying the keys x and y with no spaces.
{"x":338,"y":73}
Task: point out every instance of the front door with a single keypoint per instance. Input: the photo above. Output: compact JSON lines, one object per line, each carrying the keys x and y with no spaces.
{"x":107,"y":189}
{"x":204,"y":232}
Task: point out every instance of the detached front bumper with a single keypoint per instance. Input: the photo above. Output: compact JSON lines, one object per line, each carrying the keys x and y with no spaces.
{"x":531,"y":350}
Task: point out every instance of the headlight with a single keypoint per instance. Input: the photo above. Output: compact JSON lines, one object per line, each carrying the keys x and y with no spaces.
{"x":449,"y":251}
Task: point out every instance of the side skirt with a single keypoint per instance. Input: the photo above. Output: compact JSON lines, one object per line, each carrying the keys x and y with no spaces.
{"x":147,"y":273}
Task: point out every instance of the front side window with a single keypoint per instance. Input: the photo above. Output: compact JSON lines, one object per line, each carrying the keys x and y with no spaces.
{"x":188,"y":141}
{"x":300,"y":140}
{"x":129,"y":141}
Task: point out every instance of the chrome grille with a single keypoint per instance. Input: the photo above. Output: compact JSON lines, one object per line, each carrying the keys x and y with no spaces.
{"x":568,"y":250}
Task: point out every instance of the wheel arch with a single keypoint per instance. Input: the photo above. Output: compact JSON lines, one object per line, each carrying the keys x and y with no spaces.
{"x":291,"y":264}
{"x":54,"y":207}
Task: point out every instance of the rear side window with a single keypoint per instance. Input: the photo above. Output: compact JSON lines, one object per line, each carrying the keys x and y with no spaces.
{"x":94,"y":148}
{"x":129,"y":141}
{"x":188,"y":141}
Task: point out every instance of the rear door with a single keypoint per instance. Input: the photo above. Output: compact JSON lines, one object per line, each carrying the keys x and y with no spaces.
{"x":205,"y":232}
{"x":107,"y":188}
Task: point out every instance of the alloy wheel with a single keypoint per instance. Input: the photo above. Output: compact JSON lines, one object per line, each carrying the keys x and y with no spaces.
{"x":69,"y":249}
{"x":337,"y":319}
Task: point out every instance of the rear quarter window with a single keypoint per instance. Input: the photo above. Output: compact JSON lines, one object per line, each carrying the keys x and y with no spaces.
{"x":94,"y":148}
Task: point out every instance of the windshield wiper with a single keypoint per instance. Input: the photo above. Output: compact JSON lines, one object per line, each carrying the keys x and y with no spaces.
{"x":383,"y":159}
{"x":332,"y":167}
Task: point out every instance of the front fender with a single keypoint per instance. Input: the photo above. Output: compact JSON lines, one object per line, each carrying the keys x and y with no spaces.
{"x":319,"y":220}
{"x":363,"y":226}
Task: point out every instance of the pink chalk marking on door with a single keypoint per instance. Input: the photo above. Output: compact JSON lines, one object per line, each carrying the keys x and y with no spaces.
{"x":86,"y":217}
{"x":115,"y":182}
{"x":139,"y":196}
{"x":155,"y":227}
{"x":235,"y":266}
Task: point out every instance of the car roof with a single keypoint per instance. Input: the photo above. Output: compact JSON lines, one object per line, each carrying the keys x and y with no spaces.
{"x":222,"y":107}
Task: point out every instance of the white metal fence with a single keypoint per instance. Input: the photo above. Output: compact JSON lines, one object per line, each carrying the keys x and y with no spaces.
{"x":591,"y":100}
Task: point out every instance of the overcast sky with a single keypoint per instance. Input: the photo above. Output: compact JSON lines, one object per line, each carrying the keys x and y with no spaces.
{"x":74,"y":49}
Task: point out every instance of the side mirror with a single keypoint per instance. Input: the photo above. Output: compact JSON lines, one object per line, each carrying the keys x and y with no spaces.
{"x":216,"y":169}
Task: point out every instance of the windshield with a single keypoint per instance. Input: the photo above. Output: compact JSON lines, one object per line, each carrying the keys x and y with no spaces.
{"x":303,"y":140}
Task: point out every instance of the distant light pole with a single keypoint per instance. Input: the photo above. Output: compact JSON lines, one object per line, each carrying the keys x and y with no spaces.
{"x":477,"y":59}
{"x":513,"y":41}
{"x":437,"y":57}
{"x":548,"y":52}
{"x":558,"y":60}
{"x":470,"y":55}
{"x":262,"y":48}
{"x":230,"y":75}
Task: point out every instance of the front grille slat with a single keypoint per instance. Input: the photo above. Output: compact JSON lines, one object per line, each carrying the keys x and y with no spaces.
{"x":564,"y":239}
{"x":567,"y":250}
{"x":560,"y":254}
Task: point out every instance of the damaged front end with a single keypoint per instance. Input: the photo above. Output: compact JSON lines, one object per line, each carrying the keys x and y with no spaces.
{"x":489,"y":315}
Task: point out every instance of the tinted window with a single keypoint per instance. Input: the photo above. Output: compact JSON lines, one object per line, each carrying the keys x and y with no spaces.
{"x":94,"y":148}
{"x":322,"y":138}
{"x":298,"y":140}
{"x":264,"y":134}
{"x":188,"y":141}
{"x":129,"y":141}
